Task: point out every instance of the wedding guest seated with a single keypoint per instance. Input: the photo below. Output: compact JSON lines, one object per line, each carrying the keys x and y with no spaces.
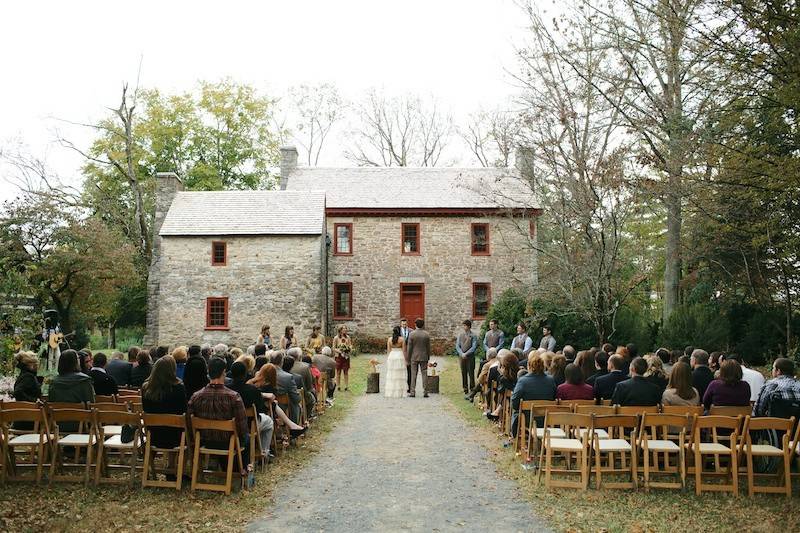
{"x":701,"y":373}
{"x":754,"y":378}
{"x":315,"y":373}
{"x":252,"y":396}
{"x":261,"y":360}
{"x":217,"y":402}
{"x":636,"y":390}
{"x":141,"y":371}
{"x":326,"y":365}
{"x":103,"y":383}
{"x":729,"y":389}
{"x":133,"y":353}
{"x":180,"y":355}
{"x":195,"y":374}
{"x":782,"y":386}
{"x":585,"y":361}
{"x":655,"y":372}
{"x":153,"y":353}
{"x":679,"y":390}
{"x":161,"y":351}
{"x":714,"y":360}
{"x":666,"y":363}
{"x":206,"y":352}
{"x":569,"y":353}
{"x":600,"y":365}
{"x":70,"y":385}
{"x":220,"y":350}
{"x":85,"y":360}
{"x":164,"y":394}
{"x":27,"y":387}
{"x":483,"y":374}
{"x":287,"y":363}
{"x":535,"y":385}
{"x":626,"y":357}
{"x":287,"y":385}
{"x":249,"y":363}
{"x":574,"y":387}
{"x":266,"y":380}
{"x":604,"y":385}
{"x":303,"y":370}
{"x":119,"y":369}
{"x":509,"y":366}
{"x":557,"y":366}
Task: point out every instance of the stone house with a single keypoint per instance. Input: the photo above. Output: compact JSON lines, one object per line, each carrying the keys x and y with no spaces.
{"x":355,"y":246}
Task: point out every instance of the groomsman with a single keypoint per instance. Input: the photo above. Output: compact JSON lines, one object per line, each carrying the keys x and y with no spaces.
{"x":404,"y":332}
{"x":548,"y":342}
{"x":466,"y":344}
{"x":522,"y":342}
{"x":494,"y":338}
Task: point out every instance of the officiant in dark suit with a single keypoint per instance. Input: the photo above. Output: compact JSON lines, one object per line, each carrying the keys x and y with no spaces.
{"x":419,"y":353}
{"x":405,"y":331}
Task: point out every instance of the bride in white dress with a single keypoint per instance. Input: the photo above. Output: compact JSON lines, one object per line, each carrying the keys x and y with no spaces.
{"x":395,"y":385}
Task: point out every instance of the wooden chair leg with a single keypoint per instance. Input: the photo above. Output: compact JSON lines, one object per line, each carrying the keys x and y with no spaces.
{"x":735,"y":470}
{"x":195,"y":462}
{"x":698,"y":469}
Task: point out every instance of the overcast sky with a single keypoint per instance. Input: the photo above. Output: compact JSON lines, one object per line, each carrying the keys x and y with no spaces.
{"x":67,"y":60}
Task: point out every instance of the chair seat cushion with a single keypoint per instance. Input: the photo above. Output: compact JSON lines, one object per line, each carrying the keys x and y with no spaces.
{"x":112,"y":430}
{"x":655,"y":445}
{"x":26,"y":439}
{"x":77,"y":439}
{"x":764,"y":449}
{"x":711,"y":447}
{"x":115,"y":441}
{"x":556,"y":433}
{"x":613,"y":445}
{"x":566,"y":444}
{"x":601,"y":433}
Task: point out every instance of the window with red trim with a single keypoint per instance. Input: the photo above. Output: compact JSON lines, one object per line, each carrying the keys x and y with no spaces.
{"x":342,"y":301}
{"x":216,"y":313}
{"x":219,"y":253}
{"x":410,"y":238}
{"x":342,"y":239}
{"x":481,"y":299}
{"x":480,"y":239}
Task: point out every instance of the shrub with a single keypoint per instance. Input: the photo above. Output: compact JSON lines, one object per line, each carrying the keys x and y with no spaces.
{"x":509,"y":309}
{"x":701,"y":325}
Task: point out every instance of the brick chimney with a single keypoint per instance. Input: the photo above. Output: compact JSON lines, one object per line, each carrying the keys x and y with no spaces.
{"x":288,"y":164}
{"x":168,"y":184}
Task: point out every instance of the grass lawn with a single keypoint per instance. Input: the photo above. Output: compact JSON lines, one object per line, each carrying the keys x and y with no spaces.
{"x":73,"y":507}
{"x":626,"y":510}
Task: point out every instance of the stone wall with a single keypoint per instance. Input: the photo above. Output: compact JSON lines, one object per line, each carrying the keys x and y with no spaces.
{"x":446,"y":267}
{"x":267,"y":279}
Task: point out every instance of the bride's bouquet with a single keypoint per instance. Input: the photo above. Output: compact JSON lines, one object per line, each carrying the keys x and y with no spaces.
{"x":432,"y":369}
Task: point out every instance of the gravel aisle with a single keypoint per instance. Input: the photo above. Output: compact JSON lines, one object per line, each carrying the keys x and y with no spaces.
{"x":400,"y":465}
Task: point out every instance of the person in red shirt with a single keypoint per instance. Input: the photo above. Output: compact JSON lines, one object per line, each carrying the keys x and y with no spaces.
{"x":574,"y":387}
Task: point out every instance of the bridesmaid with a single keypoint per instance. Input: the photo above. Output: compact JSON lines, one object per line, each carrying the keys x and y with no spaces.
{"x":264,"y":337}
{"x":342,"y":346}
{"x":315,"y":341}
{"x":288,"y":340}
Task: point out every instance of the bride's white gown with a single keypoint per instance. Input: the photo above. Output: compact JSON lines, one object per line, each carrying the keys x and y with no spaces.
{"x":395,"y":386}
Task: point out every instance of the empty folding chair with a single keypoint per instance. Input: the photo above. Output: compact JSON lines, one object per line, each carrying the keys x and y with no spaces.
{"x":664,"y":436}
{"x":161,"y":432}
{"x":702,"y":447}
{"x":622,"y":440}
{"x":762,"y":430}
{"x":232,"y":452}
{"x":570,"y":424}
{"x":35,"y":442}
{"x":82,"y":439}
{"x":109,"y":441}
{"x":535,"y":415}
{"x":589,"y":409}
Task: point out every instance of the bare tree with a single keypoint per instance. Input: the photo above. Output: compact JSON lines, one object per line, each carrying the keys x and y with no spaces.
{"x":318,"y":108}
{"x":403,"y":131}
{"x":492,"y":136}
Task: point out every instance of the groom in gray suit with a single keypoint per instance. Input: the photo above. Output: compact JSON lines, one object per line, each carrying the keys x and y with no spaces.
{"x":419,"y":352}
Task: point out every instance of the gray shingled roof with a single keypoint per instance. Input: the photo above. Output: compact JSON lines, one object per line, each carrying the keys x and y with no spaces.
{"x":246,"y":213}
{"x":406,"y":187}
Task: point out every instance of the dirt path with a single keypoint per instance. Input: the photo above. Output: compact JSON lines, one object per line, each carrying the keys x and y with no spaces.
{"x":400,"y":465}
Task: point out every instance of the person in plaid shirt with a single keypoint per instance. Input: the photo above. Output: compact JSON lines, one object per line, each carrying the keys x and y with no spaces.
{"x":783,"y":385}
{"x":217,"y":402}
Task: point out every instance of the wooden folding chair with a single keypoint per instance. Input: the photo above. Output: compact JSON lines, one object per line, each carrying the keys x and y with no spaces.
{"x":570,"y":424}
{"x":257,"y":456}
{"x":322,"y":393}
{"x":637,"y":410}
{"x":109,"y":439}
{"x":303,"y":410}
{"x":682,"y":410}
{"x":622,"y":440}
{"x":539,"y":410}
{"x":233,"y":451}
{"x":664,"y":434}
{"x":35,"y":441}
{"x":783,"y":430}
{"x":505,"y":413}
{"x":101,"y":398}
{"x":525,"y":422}
{"x":575,"y":403}
{"x":276,"y":424}
{"x":599,"y":410}
{"x":85,"y":437}
{"x":723,"y":436}
{"x":177,"y":454}
{"x":701,"y":448}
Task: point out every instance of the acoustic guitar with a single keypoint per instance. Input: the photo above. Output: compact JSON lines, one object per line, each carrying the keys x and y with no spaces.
{"x":55,"y":339}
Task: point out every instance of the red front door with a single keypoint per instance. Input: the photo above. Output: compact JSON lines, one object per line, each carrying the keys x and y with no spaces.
{"x":412,"y":302}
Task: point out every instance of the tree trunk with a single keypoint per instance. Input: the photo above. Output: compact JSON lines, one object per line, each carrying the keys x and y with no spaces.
{"x":112,"y":335}
{"x":672,"y":264}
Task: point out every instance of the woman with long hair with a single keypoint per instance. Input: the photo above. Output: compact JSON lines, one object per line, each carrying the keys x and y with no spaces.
{"x":342,"y":346}
{"x":70,"y":385}
{"x":585,"y":360}
{"x":163,"y":393}
{"x":395,"y":365}
{"x":288,"y":340}
{"x":266,"y":380}
{"x":264,"y":337}
{"x":315,"y":341}
{"x":509,"y":369}
{"x":729,"y":388}
{"x":557,"y":366}
{"x":655,"y":372}
{"x":574,"y":386}
{"x":141,"y":371}
{"x":679,"y":390}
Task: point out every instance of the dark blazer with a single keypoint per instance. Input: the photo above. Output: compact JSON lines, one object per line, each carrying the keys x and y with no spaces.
{"x":103,"y":383}
{"x":119,"y":370}
{"x":173,"y":403}
{"x":139,"y":374}
{"x":418,"y":346}
{"x":250,"y":395}
{"x":658,"y":381}
{"x":26,"y":387}
{"x":701,"y":377}
{"x":591,"y":379}
{"x":604,"y":385}
{"x":636,"y":391}
{"x":195,"y":375}
{"x":287,"y":385}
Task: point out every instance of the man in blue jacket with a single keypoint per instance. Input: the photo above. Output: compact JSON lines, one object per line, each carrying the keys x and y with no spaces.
{"x":466,"y":344}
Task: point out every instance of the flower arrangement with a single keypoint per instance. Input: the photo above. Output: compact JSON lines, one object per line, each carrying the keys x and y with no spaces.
{"x":374,"y":364}
{"x":432,"y":368}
